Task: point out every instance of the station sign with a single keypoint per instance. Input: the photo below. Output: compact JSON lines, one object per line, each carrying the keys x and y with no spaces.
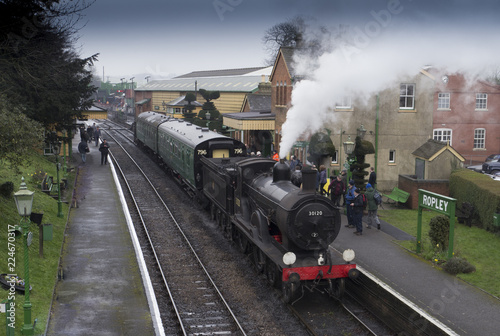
{"x":439,"y":203}
{"x":436,"y":202}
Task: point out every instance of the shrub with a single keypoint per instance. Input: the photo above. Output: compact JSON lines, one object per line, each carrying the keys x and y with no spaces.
{"x":458,"y":265}
{"x":439,"y":231}
{"x":6,"y":189}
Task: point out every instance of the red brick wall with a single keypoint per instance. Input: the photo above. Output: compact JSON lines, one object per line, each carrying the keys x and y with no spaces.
{"x":462,"y":117}
{"x":410,"y":184}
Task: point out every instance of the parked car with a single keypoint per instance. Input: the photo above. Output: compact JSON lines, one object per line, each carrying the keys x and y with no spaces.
{"x":492,"y":164}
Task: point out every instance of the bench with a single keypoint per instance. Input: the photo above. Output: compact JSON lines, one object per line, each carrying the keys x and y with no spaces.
{"x":47,"y":184}
{"x":50,"y":187}
{"x":464,"y":213}
{"x":397,"y":195}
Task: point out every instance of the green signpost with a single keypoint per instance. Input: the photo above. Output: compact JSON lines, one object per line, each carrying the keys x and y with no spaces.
{"x":442,"y":204}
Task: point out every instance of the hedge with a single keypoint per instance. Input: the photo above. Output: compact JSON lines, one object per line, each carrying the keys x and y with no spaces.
{"x":479,"y":190}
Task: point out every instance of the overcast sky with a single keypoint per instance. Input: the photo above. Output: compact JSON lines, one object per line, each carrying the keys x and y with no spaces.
{"x":163,"y":38}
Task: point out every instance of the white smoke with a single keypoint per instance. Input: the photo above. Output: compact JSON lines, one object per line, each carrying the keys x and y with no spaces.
{"x":367,"y":65}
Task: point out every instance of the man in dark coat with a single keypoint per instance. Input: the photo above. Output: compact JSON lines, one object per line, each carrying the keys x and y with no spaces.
{"x":336,"y":189}
{"x":97,"y":135}
{"x":357,"y":212}
{"x":372,"y":179}
{"x":82,"y":149}
{"x":104,"y":149}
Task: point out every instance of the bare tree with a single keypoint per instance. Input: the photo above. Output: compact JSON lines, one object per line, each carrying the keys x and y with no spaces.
{"x":297,"y":33}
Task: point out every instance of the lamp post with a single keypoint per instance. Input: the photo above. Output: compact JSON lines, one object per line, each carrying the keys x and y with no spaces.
{"x":349,"y":150}
{"x":56,"y":148}
{"x":361,"y":131}
{"x":65,"y":167}
{"x":24,"y":202}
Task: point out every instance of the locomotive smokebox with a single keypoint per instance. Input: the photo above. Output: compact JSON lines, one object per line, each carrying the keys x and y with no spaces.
{"x":281,"y":171}
{"x":309,"y":180}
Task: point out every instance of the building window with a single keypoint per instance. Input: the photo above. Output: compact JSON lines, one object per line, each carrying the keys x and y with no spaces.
{"x":479,"y":138}
{"x":444,"y":101}
{"x":335,"y":157}
{"x":392,"y":156}
{"x":277,"y":93}
{"x":284,"y":94}
{"x":407,"y":96}
{"x":481,"y":101}
{"x":442,"y":134}
{"x":344,"y":103}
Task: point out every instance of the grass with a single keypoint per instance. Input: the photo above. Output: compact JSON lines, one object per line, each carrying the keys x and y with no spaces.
{"x":43,"y":271}
{"x":477,"y":246}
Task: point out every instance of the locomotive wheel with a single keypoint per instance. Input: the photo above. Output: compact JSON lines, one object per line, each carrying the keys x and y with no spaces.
{"x":241,"y":241}
{"x":228,"y":228}
{"x":289,"y":291}
{"x":272,"y":273}
{"x":337,"y":288}
{"x":213,"y":211}
{"x":259,"y":259}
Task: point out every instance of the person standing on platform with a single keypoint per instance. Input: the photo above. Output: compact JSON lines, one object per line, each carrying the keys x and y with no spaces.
{"x":372,"y":207}
{"x":336,"y":189}
{"x":90,"y":132}
{"x":372,"y":179}
{"x":357,"y":212}
{"x":276,"y":156}
{"x":97,"y":135}
{"x":343,"y":177}
{"x":104,"y":149}
{"x":322,"y":179}
{"x":349,"y":198}
{"x":82,"y":149}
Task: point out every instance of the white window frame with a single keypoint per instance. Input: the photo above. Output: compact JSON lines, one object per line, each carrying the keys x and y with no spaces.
{"x":443,"y":134}
{"x":344,"y":102}
{"x":392,"y":155}
{"x":481,"y":101}
{"x":479,"y":138}
{"x":406,"y":97}
{"x":443,"y":101}
{"x":335,"y":157}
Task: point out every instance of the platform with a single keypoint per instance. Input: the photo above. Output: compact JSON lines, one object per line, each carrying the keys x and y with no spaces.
{"x":461,"y":307}
{"x":102,"y":292}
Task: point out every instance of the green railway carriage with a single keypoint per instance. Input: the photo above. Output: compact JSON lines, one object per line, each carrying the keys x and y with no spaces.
{"x":181,"y":144}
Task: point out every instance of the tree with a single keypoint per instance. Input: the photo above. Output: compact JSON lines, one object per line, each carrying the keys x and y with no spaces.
{"x":296,"y":33}
{"x":190,"y":97}
{"x":18,"y":135}
{"x":320,"y":148}
{"x":284,"y":34}
{"x":363,"y":147}
{"x":41,"y":73}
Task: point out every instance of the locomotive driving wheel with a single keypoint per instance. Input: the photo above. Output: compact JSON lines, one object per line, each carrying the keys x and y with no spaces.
{"x":241,"y":240}
{"x":337,"y":288}
{"x":259,"y":259}
{"x":273,"y":273}
{"x":213,"y":211}
{"x":289,"y":290}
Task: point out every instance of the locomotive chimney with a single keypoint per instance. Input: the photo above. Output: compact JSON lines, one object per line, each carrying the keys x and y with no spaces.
{"x":309,"y":180}
{"x":281,"y":171}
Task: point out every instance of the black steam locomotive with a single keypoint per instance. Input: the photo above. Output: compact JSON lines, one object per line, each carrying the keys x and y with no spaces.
{"x":287,"y":229}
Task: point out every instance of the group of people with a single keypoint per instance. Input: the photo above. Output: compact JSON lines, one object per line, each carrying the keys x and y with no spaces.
{"x":355,"y":205}
{"x":86,"y":136}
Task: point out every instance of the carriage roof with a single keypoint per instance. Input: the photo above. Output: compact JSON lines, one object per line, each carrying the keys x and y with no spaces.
{"x":184,"y":131}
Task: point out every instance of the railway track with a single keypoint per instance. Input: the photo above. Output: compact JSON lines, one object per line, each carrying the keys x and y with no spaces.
{"x":359,"y":320}
{"x":195,"y":300}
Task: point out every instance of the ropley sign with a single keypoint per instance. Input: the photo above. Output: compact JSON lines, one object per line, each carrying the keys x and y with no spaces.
{"x":436,"y":202}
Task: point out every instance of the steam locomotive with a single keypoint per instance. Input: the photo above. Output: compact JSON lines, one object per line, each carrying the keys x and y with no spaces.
{"x":286,"y":229}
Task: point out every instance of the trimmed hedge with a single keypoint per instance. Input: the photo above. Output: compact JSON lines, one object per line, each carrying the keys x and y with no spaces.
{"x":479,"y":190}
